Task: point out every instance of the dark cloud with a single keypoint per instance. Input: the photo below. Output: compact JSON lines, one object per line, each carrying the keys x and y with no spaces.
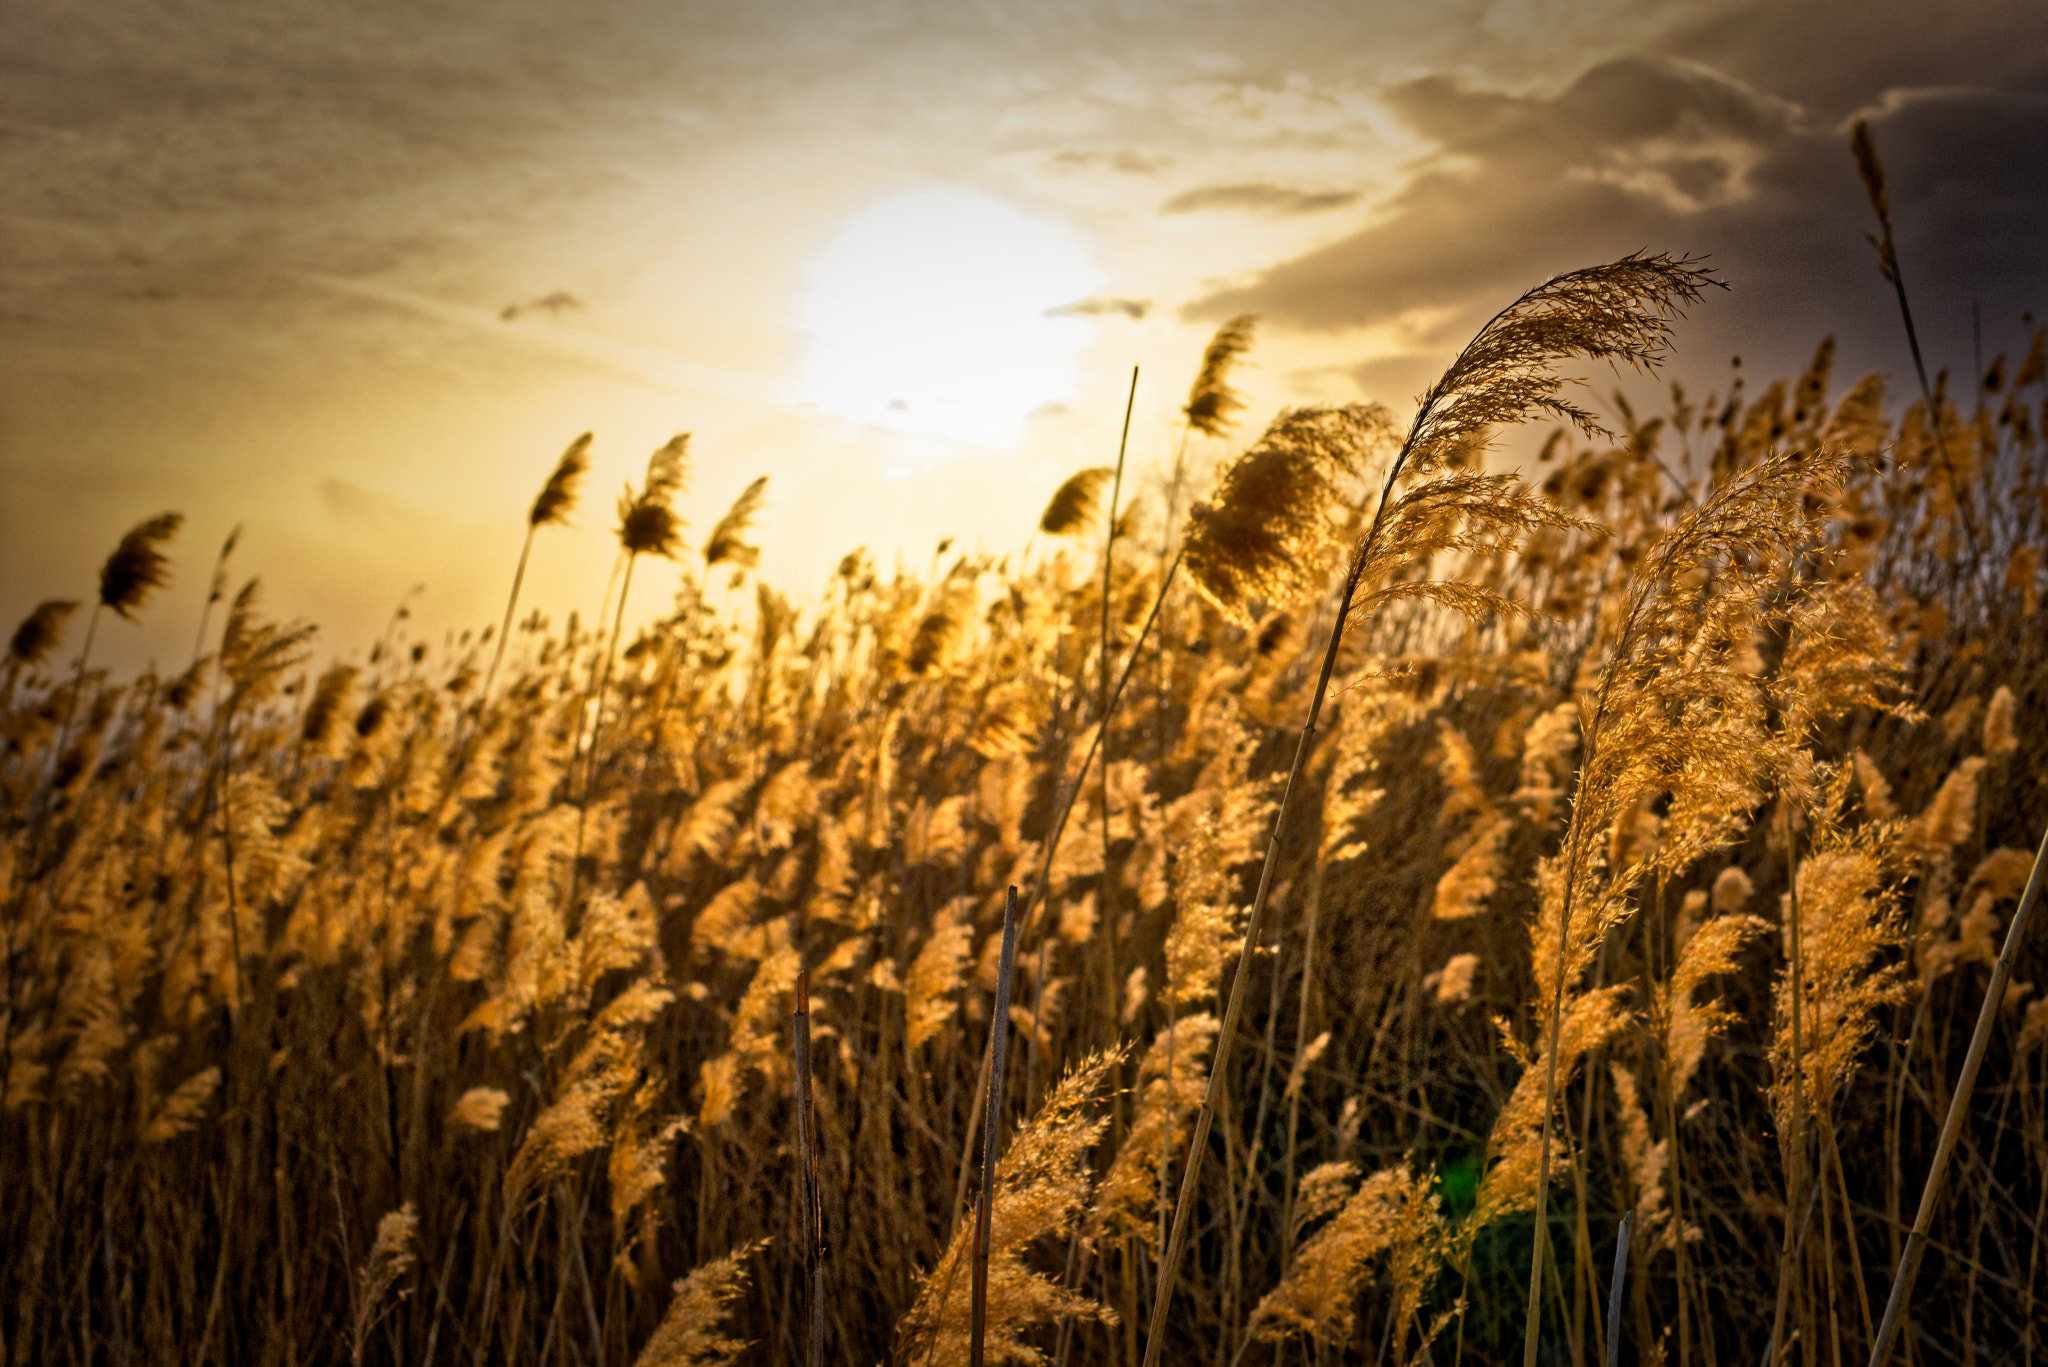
{"x":1667,"y":155}
{"x":1133,"y":309}
{"x":1258,"y":197}
{"x":553,"y":304}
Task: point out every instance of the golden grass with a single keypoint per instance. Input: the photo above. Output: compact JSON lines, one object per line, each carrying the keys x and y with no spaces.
{"x":425,"y":1006}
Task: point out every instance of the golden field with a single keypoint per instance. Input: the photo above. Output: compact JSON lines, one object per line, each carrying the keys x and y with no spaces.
{"x":1654,"y":831}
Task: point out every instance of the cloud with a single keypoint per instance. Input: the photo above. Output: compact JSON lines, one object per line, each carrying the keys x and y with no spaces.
{"x":1656,"y":153}
{"x":1251,"y":110}
{"x":353,"y":503}
{"x":1098,"y":307}
{"x":553,"y":304}
{"x":1122,"y":160}
{"x":1258,"y":197}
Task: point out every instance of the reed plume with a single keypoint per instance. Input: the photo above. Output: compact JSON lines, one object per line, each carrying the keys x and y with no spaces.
{"x":1870,"y":167}
{"x":136,"y":568}
{"x":557,"y":497}
{"x":551,"y":508}
{"x":1619,"y":312}
{"x":1071,"y":509}
{"x":1212,"y":403}
{"x":1677,"y":713}
{"x":389,"y":1259}
{"x":138,"y":565}
{"x":1041,"y":1189}
{"x":689,"y":1334}
{"x":727,"y":543}
{"x":1391,"y":1212}
{"x":216,"y":589}
{"x":32,"y":642}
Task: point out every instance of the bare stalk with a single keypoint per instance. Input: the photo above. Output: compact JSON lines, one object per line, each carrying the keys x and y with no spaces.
{"x":999,"y":1035}
{"x":1795,"y":1169}
{"x":1614,"y":1291}
{"x":1103,"y":883}
{"x":1958,"y":1110}
{"x":1169,"y":1267}
{"x":807,"y":1163}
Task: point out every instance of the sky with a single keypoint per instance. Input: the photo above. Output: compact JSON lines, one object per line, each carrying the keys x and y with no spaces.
{"x":350,"y":277}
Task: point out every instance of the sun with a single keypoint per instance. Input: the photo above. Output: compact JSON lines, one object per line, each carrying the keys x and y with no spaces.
{"x":936,"y":312}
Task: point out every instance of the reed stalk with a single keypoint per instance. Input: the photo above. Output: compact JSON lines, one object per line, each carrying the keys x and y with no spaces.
{"x":807,"y":1169}
{"x":999,"y":1035}
{"x":1958,"y":1111}
{"x":1614,"y":1290}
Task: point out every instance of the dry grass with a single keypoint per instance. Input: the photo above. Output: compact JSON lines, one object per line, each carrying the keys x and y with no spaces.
{"x":383,"y":1012}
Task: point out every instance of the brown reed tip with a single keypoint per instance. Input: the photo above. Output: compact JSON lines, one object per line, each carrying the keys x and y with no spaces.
{"x":648,"y":524}
{"x":727,"y":542}
{"x":557,"y":498}
{"x":1072,"y":506}
{"x":137,"y":566}
{"x":1212,"y":403}
{"x":39,"y":632}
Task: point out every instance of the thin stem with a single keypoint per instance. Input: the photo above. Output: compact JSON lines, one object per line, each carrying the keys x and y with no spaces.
{"x":1614,"y":1289}
{"x":807,"y":1164}
{"x":999,"y":1035}
{"x":1169,"y":1268}
{"x":1958,"y":1110}
{"x":604,"y":679}
{"x":483,"y":696}
{"x":1795,"y":1168}
{"x":1103,"y":883}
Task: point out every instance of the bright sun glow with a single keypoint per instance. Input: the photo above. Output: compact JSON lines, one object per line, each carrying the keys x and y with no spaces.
{"x":929,"y":313}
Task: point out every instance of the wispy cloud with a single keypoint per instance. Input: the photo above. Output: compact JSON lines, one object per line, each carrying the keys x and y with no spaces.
{"x":1258,"y":197}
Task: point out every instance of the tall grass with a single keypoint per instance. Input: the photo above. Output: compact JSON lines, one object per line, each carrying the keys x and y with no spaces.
{"x":395,"y":1016}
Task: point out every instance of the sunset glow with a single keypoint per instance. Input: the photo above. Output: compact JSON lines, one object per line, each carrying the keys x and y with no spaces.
{"x":934,"y":312}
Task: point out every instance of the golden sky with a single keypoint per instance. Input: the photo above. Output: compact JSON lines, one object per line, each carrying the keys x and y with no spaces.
{"x":352,"y":276}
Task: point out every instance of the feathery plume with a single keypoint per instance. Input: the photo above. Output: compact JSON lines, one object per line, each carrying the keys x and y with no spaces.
{"x":329,"y":701}
{"x":937,"y":973}
{"x":557,"y":498}
{"x":1212,"y":403}
{"x":689,"y":1334}
{"x":390,"y":1258}
{"x":1270,"y":530}
{"x":39,"y":633}
{"x":1169,"y":1085}
{"x":181,"y":1111}
{"x":1041,"y":1187}
{"x":1318,"y":1296}
{"x":648,"y":524}
{"x":1850,"y":922}
{"x":138,"y":565}
{"x":727,"y":542}
{"x":1071,"y":510}
{"x":480,"y":1108}
{"x":2000,"y":738}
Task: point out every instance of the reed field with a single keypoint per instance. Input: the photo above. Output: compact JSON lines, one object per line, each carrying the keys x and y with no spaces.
{"x":1411,"y":859}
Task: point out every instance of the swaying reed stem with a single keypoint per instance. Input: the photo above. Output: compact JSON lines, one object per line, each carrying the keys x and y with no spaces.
{"x":1958,"y":1111}
{"x":1031,"y":908}
{"x":92,"y":626}
{"x":1795,"y":1140}
{"x":1614,"y":1291}
{"x":1871,"y":168}
{"x":1103,"y":884}
{"x":1176,"y":1244}
{"x":216,"y":588}
{"x":604,"y":679}
{"x":483,"y":696}
{"x":807,"y":1164}
{"x":999,"y":1037}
